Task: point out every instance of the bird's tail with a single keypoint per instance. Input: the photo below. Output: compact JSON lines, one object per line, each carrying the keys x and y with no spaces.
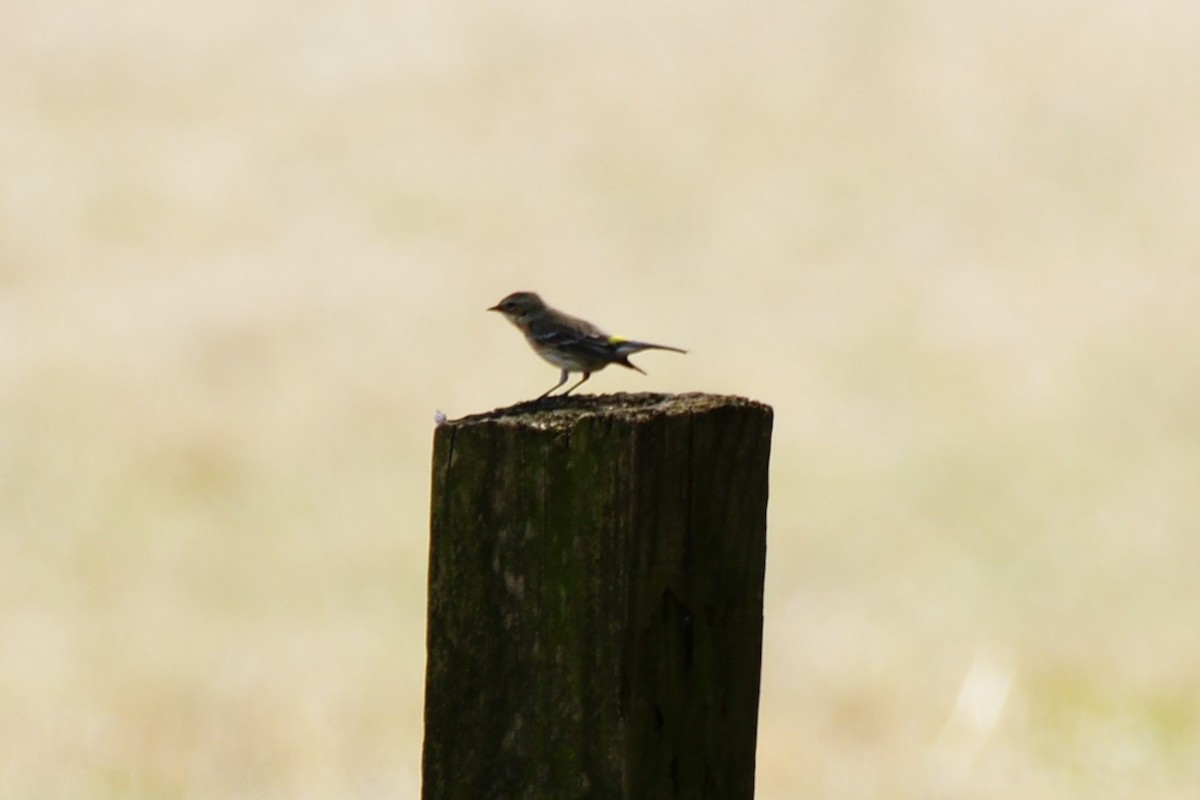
{"x":625,"y":362}
{"x":628,"y":347}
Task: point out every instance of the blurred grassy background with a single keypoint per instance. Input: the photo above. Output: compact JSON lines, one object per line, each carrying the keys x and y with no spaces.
{"x":245,"y":250}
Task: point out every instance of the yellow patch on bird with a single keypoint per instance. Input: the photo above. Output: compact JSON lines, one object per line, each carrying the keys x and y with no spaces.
{"x":617,"y":339}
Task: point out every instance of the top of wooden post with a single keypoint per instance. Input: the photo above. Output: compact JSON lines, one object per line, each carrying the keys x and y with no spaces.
{"x":560,"y":413}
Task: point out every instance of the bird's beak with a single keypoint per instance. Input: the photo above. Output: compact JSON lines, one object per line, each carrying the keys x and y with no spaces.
{"x":494,"y":308}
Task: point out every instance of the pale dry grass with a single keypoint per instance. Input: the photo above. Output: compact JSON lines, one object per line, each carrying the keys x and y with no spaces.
{"x":244,"y":252}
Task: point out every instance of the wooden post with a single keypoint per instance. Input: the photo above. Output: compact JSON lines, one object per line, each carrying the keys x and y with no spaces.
{"x":595,"y":599}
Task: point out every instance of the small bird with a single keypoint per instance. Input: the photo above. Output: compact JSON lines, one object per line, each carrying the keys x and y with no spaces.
{"x":569,"y":343}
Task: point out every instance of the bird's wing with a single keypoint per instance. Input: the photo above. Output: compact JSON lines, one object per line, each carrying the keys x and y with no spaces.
{"x":598,"y":344}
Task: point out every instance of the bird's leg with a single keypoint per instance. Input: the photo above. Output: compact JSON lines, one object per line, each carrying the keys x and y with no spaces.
{"x":561,"y":381}
{"x":586,"y":375}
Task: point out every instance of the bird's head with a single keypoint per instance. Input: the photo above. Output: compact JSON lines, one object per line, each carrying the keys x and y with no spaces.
{"x":519,"y":306}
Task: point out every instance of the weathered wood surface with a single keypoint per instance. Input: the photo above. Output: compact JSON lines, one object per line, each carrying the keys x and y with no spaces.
{"x":595,"y":599}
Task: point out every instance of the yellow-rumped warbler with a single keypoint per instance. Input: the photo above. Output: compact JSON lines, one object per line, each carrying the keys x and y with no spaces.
{"x":569,"y":343}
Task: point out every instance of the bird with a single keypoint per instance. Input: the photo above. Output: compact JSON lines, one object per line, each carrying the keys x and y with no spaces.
{"x":567,"y":342}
